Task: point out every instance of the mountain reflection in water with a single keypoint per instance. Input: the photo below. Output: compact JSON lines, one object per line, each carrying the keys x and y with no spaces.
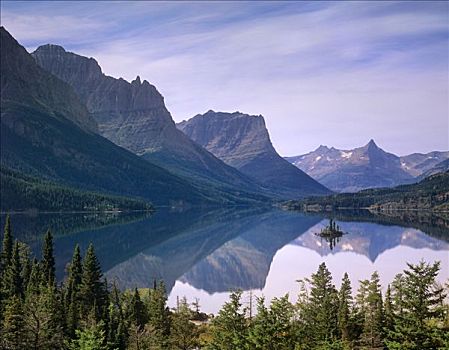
{"x":206,"y":253}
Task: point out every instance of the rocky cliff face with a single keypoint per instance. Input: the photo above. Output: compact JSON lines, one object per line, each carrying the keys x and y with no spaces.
{"x":46,"y":131}
{"x":25,"y":83}
{"x":353,"y":170}
{"x":242,"y":141}
{"x":133,"y":115}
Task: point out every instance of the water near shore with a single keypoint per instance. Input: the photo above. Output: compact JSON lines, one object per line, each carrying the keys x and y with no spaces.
{"x":204,"y":254}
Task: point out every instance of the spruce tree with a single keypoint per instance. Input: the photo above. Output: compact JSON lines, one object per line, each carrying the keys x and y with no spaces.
{"x":13,"y":282}
{"x":158,"y":313}
{"x":388,"y":311}
{"x":322,"y":309}
{"x":183,"y":333}
{"x":72,"y":302}
{"x":137,"y":309}
{"x":259,"y":333}
{"x":345,"y":308}
{"x":372,"y":334}
{"x":422,"y":310}
{"x":90,"y":338}
{"x":11,"y":331}
{"x":7,"y":246}
{"x":48,"y":260}
{"x":43,"y":319}
{"x":272,"y":328}
{"x":117,"y":325}
{"x":229,"y":328}
{"x":93,"y":291}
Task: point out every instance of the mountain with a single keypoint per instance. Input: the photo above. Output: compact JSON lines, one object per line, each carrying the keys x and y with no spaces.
{"x":353,"y":170}
{"x":242,"y":141}
{"x":432,"y":193}
{"x":133,"y":115}
{"x":417,"y":164}
{"x":438,"y":168}
{"x":47,"y":132}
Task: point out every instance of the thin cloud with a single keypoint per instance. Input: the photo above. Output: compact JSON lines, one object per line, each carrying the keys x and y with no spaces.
{"x":336,"y":73}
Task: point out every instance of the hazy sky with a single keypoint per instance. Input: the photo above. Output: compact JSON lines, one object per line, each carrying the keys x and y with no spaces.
{"x":333,"y":73}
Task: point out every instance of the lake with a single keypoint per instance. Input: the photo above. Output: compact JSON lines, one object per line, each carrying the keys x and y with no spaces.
{"x":206,"y":253}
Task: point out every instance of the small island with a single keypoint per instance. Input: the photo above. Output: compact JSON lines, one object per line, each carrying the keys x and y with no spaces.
{"x":331,"y":233}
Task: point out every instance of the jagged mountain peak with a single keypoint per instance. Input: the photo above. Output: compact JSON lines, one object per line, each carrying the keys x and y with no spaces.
{"x":18,"y":67}
{"x":353,"y":170}
{"x":133,"y":115}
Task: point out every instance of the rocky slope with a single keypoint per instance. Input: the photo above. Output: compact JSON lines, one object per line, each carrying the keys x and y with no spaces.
{"x":438,"y":168}
{"x":48,"y":133}
{"x":242,"y":141}
{"x":417,"y":164}
{"x":133,"y":115}
{"x":352,"y":170}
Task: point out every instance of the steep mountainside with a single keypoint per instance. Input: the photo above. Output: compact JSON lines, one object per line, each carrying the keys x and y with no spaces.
{"x":243,"y":142}
{"x":133,"y":115}
{"x":417,"y":164}
{"x":352,"y":170}
{"x":46,"y":131}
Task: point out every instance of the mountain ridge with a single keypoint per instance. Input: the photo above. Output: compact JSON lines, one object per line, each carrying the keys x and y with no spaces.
{"x":44,"y":139}
{"x":133,"y":115}
{"x":243,"y":141}
{"x":364,"y":167}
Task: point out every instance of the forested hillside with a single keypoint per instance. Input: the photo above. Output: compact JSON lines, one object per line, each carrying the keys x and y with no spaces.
{"x":21,"y":192}
{"x":431,"y":193}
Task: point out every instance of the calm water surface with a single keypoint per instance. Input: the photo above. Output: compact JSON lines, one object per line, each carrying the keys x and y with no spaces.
{"x":204,"y":254}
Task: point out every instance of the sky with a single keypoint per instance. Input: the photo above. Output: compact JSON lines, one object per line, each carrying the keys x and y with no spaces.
{"x":321,"y":73}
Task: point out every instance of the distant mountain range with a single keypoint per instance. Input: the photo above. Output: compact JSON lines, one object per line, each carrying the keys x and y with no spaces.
{"x":72,"y":128}
{"x":365,"y":167}
{"x":242,"y":141}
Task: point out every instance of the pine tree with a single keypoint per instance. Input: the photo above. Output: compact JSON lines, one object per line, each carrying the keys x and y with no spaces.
{"x":13,"y":282}
{"x":11,"y":331}
{"x":372,"y":334}
{"x":26,"y":264}
{"x":146,"y":338}
{"x":43,"y":320}
{"x":421,"y":304}
{"x":388,"y":312}
{"x":48,"y":260}
{"x":259,"y":333}
{"x":90,"y":338}
{"x":158,"y":313}
{"x":7,"y":246}
{"x":229,"y":328}
{"x":72,"y":302}
{"x":183,"y":333}
{"x":117,"y":326}
{"x":322,"y":309}
{"x":93,"y":291}
{"x":137,"y":309}
{"x":272,"y":328}
{"x":345,"y":309}
{"x":34,"y":281}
